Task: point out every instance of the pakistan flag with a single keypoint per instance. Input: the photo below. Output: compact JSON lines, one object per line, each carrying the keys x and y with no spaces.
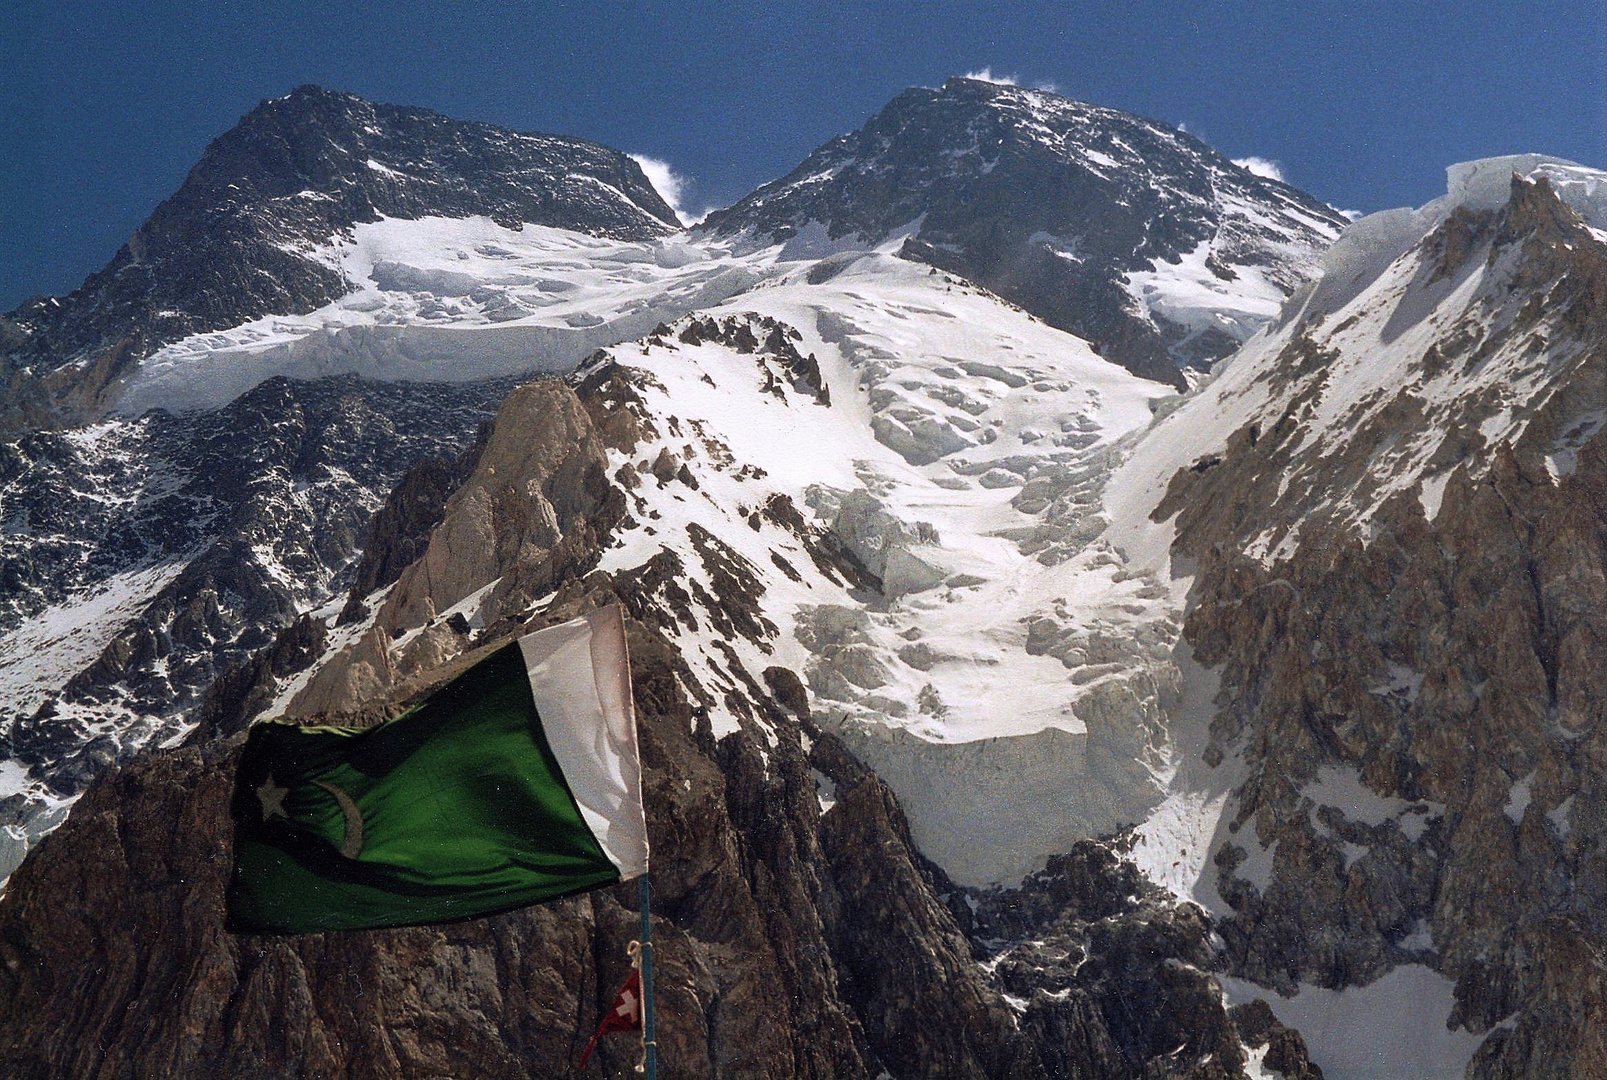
{"x":517,"y":782}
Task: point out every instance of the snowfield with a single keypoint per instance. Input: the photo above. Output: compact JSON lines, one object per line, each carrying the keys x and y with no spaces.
{"x":957,"y":683}
{"x":53,"y":646}
{"x":451,"y":300}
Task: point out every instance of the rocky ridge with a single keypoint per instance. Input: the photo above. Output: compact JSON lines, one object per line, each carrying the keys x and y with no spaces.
{"x":1471,"y":686}
{"x":1402,"y":614}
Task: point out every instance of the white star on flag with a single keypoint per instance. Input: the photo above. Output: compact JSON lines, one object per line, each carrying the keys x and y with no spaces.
{"x":272,"y":797}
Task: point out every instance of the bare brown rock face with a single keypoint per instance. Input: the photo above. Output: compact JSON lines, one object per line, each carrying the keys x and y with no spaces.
{"x":140,"y":949}
{"x":900,"y":943}
{"x":538,"y":492}
{"x":532,"y":511}
{"x":1499,"y":609}
{"x":1455,"y":666}
{"x":400,"y":530}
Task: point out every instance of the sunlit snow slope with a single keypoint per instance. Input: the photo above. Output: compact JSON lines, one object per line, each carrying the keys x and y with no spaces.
{"x":995,"y":677}
{"x":450,"y":300}
{"x":984,"y":652}
{"x":989,"y":667}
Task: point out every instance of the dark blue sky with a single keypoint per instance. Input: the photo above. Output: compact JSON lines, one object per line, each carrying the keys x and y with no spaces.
{"x":104,"y":107}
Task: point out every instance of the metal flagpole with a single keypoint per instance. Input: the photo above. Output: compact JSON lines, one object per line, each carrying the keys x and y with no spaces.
{"x":649,"y":1034}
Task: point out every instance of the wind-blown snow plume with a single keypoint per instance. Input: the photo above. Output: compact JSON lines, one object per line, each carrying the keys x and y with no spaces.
{"x":670,"y":185}
{"x":1260,"y":166}
{"x":986,"y":75}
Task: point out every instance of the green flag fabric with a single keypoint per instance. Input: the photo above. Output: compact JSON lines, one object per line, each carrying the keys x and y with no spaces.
{"x":517,"y":782}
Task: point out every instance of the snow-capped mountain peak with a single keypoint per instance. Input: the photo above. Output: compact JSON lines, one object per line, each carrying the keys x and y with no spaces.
{"x":1433,"y":336}
{"x":1130,"y":233}
{"x":878,"y":463}
{"x":248,"y":234}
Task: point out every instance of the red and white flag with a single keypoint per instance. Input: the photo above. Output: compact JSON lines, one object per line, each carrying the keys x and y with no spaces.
{"x":625,"y":1015}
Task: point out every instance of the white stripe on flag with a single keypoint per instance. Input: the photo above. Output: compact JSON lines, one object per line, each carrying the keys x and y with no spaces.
{"x":580,"y":677}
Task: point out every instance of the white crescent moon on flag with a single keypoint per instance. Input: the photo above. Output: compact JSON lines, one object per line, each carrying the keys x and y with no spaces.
{"x":352,"y":845}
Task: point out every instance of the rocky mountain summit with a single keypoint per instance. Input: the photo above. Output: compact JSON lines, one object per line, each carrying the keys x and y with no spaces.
{"x":245,"y":235}
{"x":1126,"y":232}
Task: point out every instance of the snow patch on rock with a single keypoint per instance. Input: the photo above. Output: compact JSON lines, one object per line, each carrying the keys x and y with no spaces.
{"x":1391,"y":1028}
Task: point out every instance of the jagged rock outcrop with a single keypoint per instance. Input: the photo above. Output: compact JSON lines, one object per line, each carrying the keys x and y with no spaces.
{"x":1415,"y":679}
{"x":400,"y":530}
{"x":899,"y":943}
{"x":533,"y":511}
{"x":1457,"y":668}
{"x":139,"y":951}
{"x":1111,"y":976}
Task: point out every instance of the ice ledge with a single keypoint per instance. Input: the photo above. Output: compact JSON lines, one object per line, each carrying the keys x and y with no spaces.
{"x":1370,"y":244}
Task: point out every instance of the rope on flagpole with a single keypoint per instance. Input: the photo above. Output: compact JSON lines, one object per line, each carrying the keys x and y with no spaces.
{"x":649,"y":1065}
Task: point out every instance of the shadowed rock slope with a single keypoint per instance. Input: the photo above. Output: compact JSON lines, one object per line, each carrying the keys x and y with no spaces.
{"x":176,"y":548}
